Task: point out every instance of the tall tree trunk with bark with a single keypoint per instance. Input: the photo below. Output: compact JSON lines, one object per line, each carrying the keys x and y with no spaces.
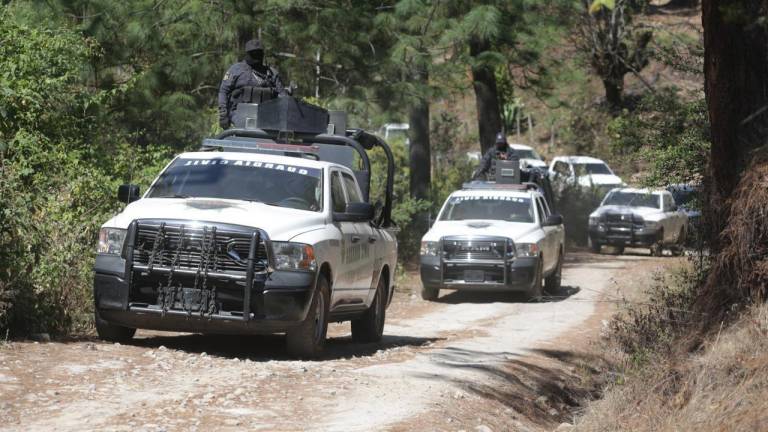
{"x":418,"y":132}
{"x":486,"y":96}
{"x":614,"y":89}
{"x":736,"y":87}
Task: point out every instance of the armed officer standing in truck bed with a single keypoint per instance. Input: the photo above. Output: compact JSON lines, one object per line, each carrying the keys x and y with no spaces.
{"x":501,"y":151}
{"x":248,"y":81}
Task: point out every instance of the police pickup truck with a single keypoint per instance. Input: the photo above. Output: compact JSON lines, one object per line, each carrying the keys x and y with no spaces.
{"x":261,"y":232}
{"x":491,"y":236}
{"x":638,"y":218}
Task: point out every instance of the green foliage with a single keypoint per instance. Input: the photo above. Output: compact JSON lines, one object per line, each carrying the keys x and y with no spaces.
{"x":667,"y":134}
{"x":406,"y":208}
{"x":597,"y":5}
{"x":643,"y":330}
{"x":56,"y":187}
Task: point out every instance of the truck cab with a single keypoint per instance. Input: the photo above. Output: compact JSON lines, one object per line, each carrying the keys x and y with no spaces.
{"x":264,"y":230}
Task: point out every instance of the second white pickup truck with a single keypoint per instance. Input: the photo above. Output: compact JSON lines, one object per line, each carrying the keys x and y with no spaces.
{"x":490,"y":236}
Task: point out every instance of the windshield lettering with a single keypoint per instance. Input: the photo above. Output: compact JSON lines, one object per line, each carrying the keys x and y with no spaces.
{"x":506,"y":208}
{"x":270,"y":183}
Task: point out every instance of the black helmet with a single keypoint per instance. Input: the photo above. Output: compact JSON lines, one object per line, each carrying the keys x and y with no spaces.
{"x":501,"y":138}
{"x":254,"y":45}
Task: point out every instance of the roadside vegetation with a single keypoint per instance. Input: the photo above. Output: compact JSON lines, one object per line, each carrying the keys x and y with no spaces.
{"x":95,"y":94}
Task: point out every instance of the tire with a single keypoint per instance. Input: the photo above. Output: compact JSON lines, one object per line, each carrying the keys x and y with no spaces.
{"x":429,"y":293}
{"x":308,"y":339}
{"x":679,"y":248}
{"x":594,"y":247}
{"x":657,"y":249}
{"x":370,"y":327}
{"x":537,"y":288}
{"x":111,"y":332}
{"x":553,"y":282}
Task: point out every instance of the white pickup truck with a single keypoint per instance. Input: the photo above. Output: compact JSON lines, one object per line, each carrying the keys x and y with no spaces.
{"x":638,"y":218}
{"x":492,"y":236}
{"x":261,"y":237}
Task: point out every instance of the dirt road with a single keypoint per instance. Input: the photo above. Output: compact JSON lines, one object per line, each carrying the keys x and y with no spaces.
{"x":467,"y":361}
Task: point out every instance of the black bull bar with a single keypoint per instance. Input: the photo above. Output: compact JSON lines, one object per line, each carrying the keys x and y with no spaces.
{"x":196,"y":268}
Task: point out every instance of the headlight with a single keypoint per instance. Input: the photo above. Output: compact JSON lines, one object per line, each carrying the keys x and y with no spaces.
{"x":294,"y":256}
{"x":594,"y":220}
{"x":651,"y":224}
{"x":428,"y":248}
{"x":527,"y":249}
{"x":111,"y":241}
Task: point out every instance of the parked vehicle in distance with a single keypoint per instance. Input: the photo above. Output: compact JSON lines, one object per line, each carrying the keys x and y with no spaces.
{"x":490,"y":236}
{"x":253,"y":235}
{"x":638,"y":218}
{"x":528,"y":157}
{"x":395,"y":131}
{"x":585,"y":172}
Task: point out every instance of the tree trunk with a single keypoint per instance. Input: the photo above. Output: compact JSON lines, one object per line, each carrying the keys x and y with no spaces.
{"x":418,"y":132}
{"x":735,"y":71}
{"x":486,"y":96}
{"x":614,"y":88}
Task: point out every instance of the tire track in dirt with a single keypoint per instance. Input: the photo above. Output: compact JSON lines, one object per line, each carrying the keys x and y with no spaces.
{"x":430,"y":354}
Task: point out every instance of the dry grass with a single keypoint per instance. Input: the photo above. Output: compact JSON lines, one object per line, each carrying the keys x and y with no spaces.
{"x":740,"y":271}
{"x":722,"y":387}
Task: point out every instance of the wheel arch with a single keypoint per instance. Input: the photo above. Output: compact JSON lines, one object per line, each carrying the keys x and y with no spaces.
{"x":386,"y":276}
{"x":325,"y":270}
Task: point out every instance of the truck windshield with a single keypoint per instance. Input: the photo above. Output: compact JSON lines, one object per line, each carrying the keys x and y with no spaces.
{"x":510,"y":209}
{"x":633,"y":199}
{"x":274,"y":184}
{"x":591,"y":168}
{"x":527,"y":154}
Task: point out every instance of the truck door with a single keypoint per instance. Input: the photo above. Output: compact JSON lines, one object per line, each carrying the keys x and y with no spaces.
{"x":549,"y":234}
{"x":363,"y":244}
{"x":672,"y":218}
{"x":343,"y":292}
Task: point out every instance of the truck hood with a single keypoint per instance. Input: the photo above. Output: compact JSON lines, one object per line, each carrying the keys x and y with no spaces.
{"x":640,"y":211}
{"x":280,"y":223}
{"x":513,"y":230}
{"x":536,"y":163}
{"x":599,"y":180}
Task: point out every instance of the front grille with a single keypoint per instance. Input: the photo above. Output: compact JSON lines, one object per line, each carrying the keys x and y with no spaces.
{"x":181,"y":246}
{"x":460,"y":274}
{"x":474,"y":249}
{"x":623,"y":221}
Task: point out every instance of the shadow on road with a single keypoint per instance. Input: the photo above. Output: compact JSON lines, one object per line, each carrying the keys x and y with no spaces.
{"x":483,"y":297}
{"x":531,"y":387}
{"x":271,"y":347}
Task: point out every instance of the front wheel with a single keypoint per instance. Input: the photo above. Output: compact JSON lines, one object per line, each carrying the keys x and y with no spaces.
{"x":429,"y":293}
{"x":111,"y":332}
{"x":553,"y":282}
{"x":370,"y":327}
{"x":308,"y":339}
{"x":538,"y":279}
{"x":594,"y":246}
{"x":679,"y":248}
{"x":657,"y":249}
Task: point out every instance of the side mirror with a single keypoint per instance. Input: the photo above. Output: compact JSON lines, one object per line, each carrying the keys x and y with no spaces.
{"x":553,"y":220}
{"x":128,"y":193}
{"x":356,"y":212}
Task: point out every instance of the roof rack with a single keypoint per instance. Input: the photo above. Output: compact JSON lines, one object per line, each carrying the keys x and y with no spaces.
{"x":486,"y":185}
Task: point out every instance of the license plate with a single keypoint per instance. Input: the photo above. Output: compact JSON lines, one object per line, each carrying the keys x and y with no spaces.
{"x":474,"y":276}
{"x":191,"y":299}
